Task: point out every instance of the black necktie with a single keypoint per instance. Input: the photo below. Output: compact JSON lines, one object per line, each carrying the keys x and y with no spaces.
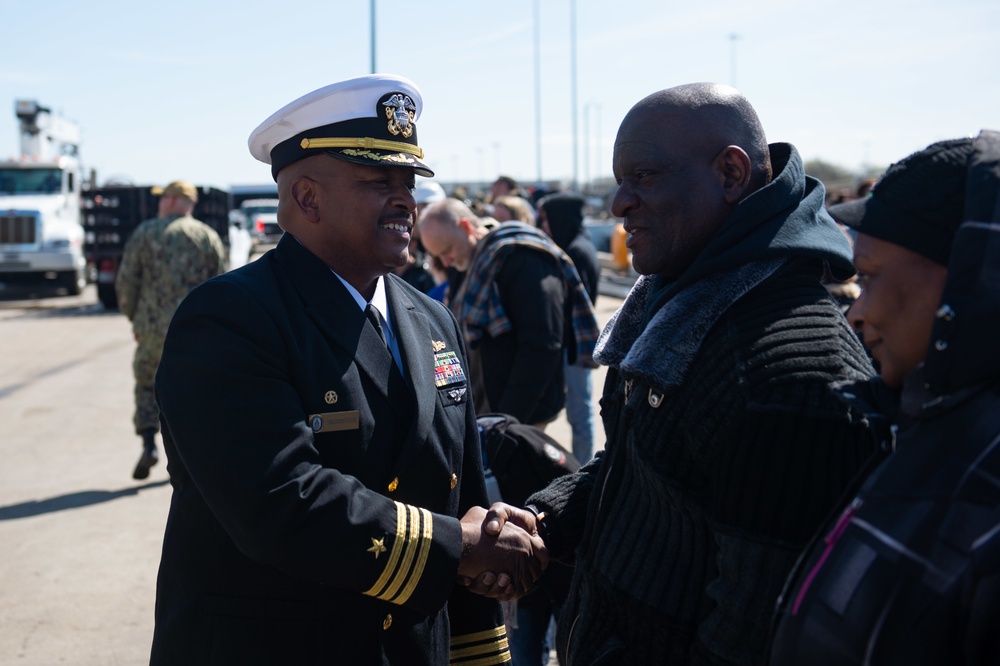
{"x":373,"y":318}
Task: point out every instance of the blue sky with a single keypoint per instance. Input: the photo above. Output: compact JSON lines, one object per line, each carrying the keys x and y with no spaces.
{"x":172,"y":90}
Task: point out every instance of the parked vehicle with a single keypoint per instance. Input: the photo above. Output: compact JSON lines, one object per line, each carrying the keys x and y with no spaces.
{"x":41,"y":237}
{"x":262,"y":220}
{"x":240,"y":242}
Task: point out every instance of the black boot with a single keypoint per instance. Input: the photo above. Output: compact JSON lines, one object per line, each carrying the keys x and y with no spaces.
{"x":149,"y":455}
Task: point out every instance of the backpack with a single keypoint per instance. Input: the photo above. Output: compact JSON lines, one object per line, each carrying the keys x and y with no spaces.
{"x":521,"y":457}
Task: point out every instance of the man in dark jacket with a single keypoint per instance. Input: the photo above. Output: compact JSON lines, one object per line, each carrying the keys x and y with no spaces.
{"x":324,"y":455}
{"x":520,"y":302}
{"x":561,"y":217}
{"x":910,"y":571}
{"x":726,"y":446}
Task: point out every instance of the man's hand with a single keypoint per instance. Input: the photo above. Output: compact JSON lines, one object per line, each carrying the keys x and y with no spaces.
{"x":500,"y":514}
{"x":497,"y":541}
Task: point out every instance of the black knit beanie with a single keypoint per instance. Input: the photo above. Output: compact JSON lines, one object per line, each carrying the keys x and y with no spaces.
{"x":918,"y":203}
{"x":564,"y":212}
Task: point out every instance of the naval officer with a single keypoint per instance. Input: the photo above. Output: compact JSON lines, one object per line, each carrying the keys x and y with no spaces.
{"x":321,"y":442}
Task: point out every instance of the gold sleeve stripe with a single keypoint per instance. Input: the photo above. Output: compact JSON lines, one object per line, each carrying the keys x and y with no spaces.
{"x":477,"y":637}
{"x":408,"y":557}
{"x":483,"y":648}
{"x":478,"y":650}
{"x":397,"y":549}
{"x":426,"y":535}
{"x":408,"y":554}
{"x":503,"y":658}
{"x":363,"y":142}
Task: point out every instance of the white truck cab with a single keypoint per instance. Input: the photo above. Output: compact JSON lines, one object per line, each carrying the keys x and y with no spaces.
{"x":41,"y":235}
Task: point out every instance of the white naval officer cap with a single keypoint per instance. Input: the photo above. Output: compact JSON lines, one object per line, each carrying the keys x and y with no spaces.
{"x":367,"y":120}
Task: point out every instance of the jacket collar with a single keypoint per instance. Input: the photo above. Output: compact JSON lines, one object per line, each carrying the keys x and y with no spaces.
{"x":336,"y":313}
{"x":662,"y":351}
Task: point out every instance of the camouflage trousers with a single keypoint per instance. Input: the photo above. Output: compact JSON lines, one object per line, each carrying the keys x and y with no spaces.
{"x":144,"y":365}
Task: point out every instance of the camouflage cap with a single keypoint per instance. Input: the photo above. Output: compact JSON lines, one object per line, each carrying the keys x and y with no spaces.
{"x":181,"y":188}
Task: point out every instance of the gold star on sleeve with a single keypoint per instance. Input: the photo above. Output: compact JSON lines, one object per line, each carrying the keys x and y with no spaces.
{"x":378,"y":546}
{"x":407,"y":558}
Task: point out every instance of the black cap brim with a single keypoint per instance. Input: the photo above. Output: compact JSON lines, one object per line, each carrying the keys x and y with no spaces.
{"x":873,"y":217}
{"x":850,"y":213}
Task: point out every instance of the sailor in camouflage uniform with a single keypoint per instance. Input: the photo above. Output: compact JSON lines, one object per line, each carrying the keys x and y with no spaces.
{"x":164,"y":259}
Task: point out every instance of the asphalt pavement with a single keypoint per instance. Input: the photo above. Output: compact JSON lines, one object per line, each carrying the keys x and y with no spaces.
{"x":79,"y":539}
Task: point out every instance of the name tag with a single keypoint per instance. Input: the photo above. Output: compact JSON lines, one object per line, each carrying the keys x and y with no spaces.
{"x":335,"y":421}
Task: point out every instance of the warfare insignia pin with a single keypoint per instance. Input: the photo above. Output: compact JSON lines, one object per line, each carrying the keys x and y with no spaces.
{"x":456,"y":394}
{"x":378,"y":546}
{"x":400,"y":110}
{"x":437,"y":345}
{"x":447,"y":369}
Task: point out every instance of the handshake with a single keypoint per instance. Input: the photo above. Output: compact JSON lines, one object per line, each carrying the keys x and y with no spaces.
{"x":502,"y":554}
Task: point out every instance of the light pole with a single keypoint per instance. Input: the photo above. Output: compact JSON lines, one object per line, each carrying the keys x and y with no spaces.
{"x":597,"y":141}
{"x":538,"y":96}
{"x":482,"y":175}
{"x":586,"y":148}
{"x":572,"y":94}
{"x":373,"y":34}
{"x":733,"y":38}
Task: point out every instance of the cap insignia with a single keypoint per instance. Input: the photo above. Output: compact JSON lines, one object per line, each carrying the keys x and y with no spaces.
{"x":400,"y":110}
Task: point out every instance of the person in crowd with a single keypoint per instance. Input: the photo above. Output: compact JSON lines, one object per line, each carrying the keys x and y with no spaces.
{"x":517,"y":209}
{"x":504,"y":186}
{"x":417,"y":271}
{"x":425,"y":193}
{"x":864,"y":188}
{"x":726,"y":446}
{"x":520,"y":368}
{"x":561,"y":217}
{"x":164,"y":259}
{"x":324,"y":454}
{"x":520,"y":303}
{"x":909,"y":571}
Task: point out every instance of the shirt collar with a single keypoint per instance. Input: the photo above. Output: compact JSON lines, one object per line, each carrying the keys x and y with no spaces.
{"x":379,"y":300}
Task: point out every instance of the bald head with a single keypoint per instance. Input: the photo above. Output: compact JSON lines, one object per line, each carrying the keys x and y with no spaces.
{"x":684,"y":160}
{"x":718,"y":116}
{"x":449,"y":231}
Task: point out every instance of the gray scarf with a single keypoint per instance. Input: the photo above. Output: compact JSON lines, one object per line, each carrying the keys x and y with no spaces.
{"x":663,"y":351}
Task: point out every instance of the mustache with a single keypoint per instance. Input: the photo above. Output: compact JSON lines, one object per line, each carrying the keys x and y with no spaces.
{"x":405,"y":218}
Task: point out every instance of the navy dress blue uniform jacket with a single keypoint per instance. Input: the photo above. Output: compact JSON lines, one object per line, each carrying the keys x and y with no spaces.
{"x":285,"y":545}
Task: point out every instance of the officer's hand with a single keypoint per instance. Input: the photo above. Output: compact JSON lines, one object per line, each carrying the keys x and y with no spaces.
{"x":500,"y":514}
{"x":518,"y":556}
